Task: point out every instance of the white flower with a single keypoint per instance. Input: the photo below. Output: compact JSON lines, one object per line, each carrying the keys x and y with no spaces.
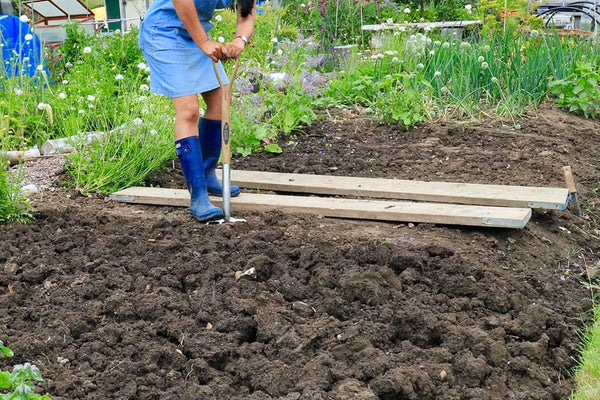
{"x":468,"y":7}
{"x":81,"y":112}
{"x":43,"y":106}
{"x":494,"y":79}
{"x":274,"y":40}
{"x":445,"y":45}
{"x":153,"y":131}
{"x":303,"y":5}
{"x":87,"y":50}
{"x":218,"y":18}
{"x":420,"y":66}
{"x":28,"y":37}
{"x":40,"y":67}
{"x":484,"y":65}
{"x":221,"y":39}
{"x":437,"y":42}
{"x":65,"y":82}
{"x":437,"y":73}
{"x":396,"y":33}
{"x":24,"y":18}
{"x":427,"y":28}
{"x":465,"y":45}
{"x":407,"y":10}
{"x":388,"y":53}
{"x":25,"y":59}
{"x":534,"y":33}
{"x":144,"y":87}
{"x":431,"y":52}
{"x":485,"y":48}
{"x":402,"y":29}
{"x":480,"y":59}
{"x":119,"y":77}
{"x":279,"y":52}
{"x":138,"y":122}
{"x":91,"y":105}
{"x":18,"y":92}
{"x":91,"y":97}
{"x":62,"y":95}
{"x":395,"y":60}
{"x":142,"y":66}
{"x":142,"y":98}
{"x":389,"y":21}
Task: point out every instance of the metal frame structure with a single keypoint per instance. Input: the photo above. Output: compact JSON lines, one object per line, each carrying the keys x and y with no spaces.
{"x":589,"y":8}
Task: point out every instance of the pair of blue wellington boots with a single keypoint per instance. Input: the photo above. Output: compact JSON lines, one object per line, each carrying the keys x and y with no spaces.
{"x":198,"y":156}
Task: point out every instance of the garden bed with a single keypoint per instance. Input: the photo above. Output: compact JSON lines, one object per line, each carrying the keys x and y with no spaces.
{"x":116,"y":301}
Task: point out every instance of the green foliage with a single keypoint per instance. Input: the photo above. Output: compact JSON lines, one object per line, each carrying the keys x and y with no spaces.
{"x":580,"y":91}
{"x":403,"y":99}
{"x":21,"y":382}
{"x":13,"y":205}
{"x":125,"y":156}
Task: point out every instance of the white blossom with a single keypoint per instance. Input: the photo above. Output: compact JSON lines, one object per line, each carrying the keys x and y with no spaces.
{"x":24,"y":18}
{"x":62,"y":95}
{"x":18,"y":91}
{"x":91,"y":97}
{"x":420,"y":66}
{"x":480,"y":59}
{"x":87,"y":50}
{"x":218,"y":18}
{"x":28,"y":37}
{"x":138,"y":122}
{"x":144,"y":87}
{"x":65,"y":82}
{"x":484,"y":65}
{"x":407,"y":10}
{"x":437,"y":73}
{"x":43,"y":106}
{"x":142,"y":66}
{"x":468,"y":7}
{"x":40,"y":67}
{"x":389,"y":21}
{"x":81,"y":112}
{"x":119,"y":77}
{"x":221,"y":39}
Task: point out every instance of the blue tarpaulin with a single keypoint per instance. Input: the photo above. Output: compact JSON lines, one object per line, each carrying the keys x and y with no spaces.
{"x":21,"y":48}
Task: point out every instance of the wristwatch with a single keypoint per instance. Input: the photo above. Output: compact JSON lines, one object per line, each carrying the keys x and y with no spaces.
{"x":243,"y":37}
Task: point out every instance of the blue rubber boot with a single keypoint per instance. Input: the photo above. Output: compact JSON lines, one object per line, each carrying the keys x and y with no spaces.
{"x":190,"y":156}
{"x":210,"y":141}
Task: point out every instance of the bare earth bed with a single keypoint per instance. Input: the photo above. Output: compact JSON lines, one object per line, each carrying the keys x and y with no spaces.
{"x":117,"y":301}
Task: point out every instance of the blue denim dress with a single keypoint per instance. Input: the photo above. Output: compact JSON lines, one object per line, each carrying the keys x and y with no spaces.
{"x":177,"y":66}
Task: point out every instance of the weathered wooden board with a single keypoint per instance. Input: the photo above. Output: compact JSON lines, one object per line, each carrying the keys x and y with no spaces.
{"x":437,"y":213}
{"x":442,"y":192}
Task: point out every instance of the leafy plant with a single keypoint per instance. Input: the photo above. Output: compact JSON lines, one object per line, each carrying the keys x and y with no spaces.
{"x":21,"y":381}
{"x":123,"y":157}
{"x":580,"y":91}
{"x":13,"y":205}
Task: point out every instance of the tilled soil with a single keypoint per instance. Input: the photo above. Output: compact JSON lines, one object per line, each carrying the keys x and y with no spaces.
{"x":117,"y":301}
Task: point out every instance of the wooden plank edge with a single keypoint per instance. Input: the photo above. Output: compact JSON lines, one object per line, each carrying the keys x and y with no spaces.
{"x":459,"y":193}
{"x":437,"y":213}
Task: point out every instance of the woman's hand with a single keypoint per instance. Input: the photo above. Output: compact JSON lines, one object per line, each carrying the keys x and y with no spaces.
{"x":235,"y":47}
{"x":216,"y":51}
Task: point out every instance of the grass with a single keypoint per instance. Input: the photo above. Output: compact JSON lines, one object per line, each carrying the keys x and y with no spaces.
{"x":587,"y":375}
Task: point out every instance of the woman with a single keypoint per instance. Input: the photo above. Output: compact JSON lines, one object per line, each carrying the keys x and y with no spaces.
{"x":174,"y":40}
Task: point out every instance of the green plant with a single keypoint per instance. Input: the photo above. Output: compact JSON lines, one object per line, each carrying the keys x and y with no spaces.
{"x":126,"y":155}
{"x":13,"y":205}
{"x":580,"y":91}
{"x":21,"y":381}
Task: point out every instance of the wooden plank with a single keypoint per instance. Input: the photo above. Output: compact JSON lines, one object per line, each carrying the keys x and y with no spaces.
{"x":420,"y":25}
{"x":437,"y":213}
{"x":442,"y":192}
